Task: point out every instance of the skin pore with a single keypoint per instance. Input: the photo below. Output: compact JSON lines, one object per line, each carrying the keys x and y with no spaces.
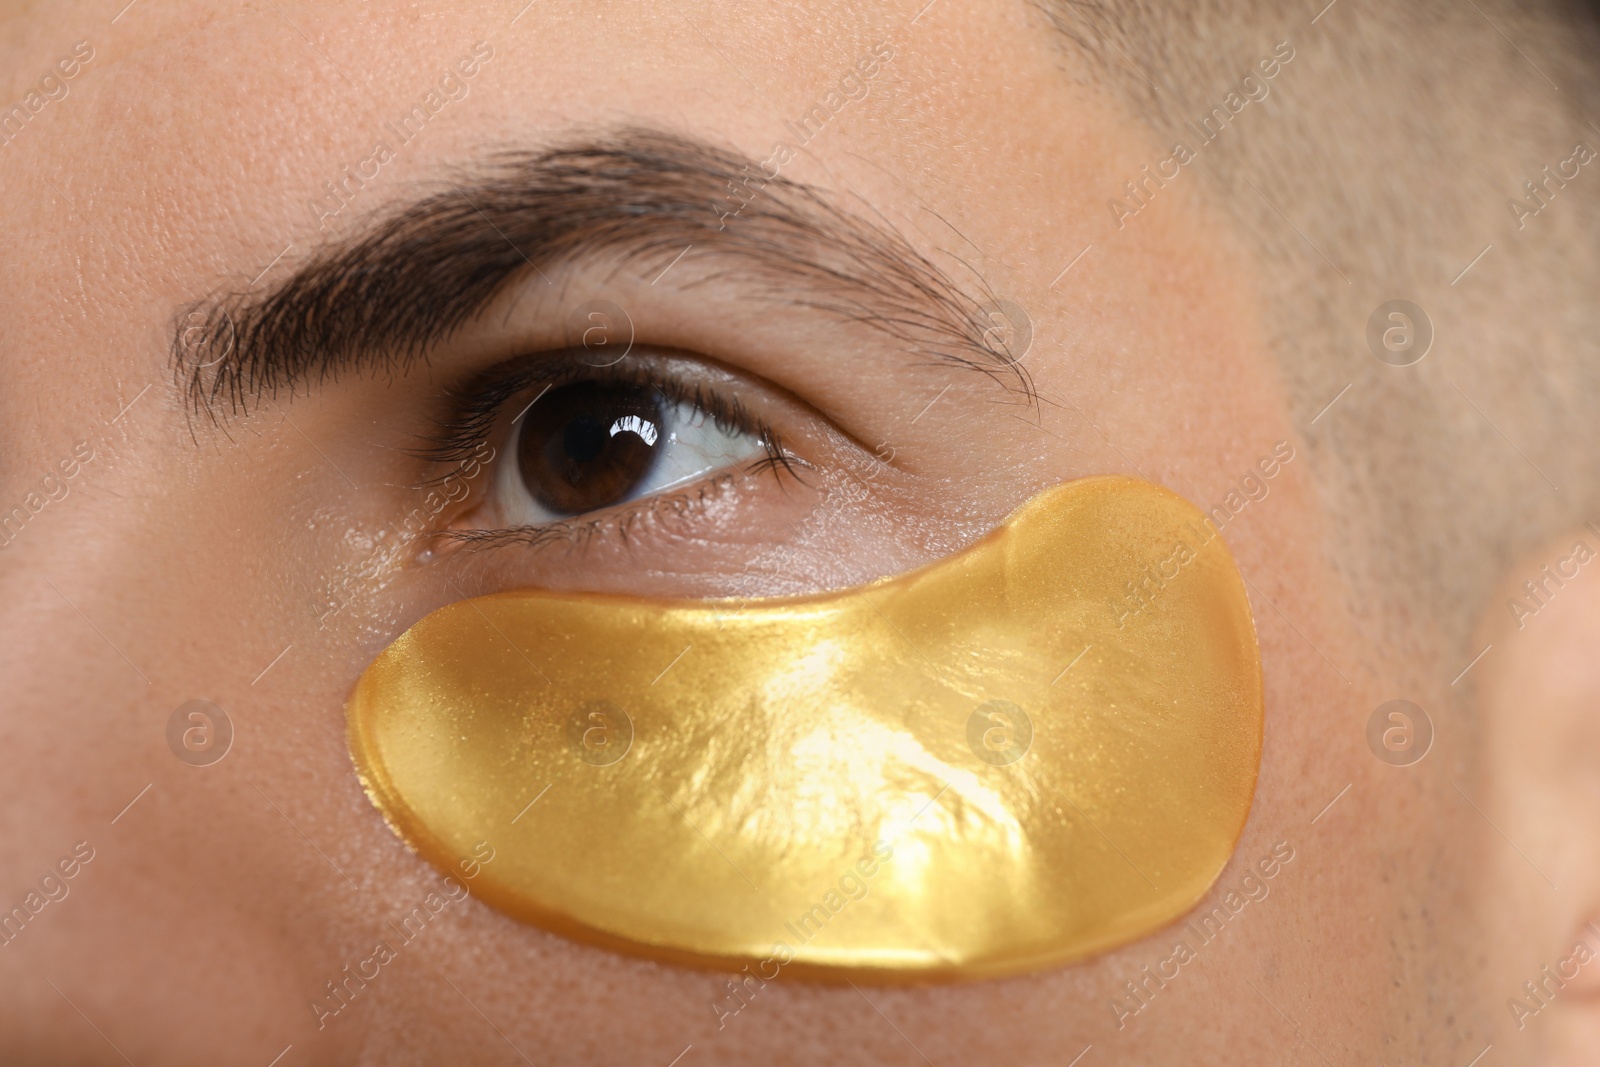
{"x":224,"y":553}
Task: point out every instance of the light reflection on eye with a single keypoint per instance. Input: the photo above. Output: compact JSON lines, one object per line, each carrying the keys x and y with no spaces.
{"x":635,"y":424}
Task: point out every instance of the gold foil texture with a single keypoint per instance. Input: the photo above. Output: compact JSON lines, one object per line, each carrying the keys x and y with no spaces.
{"x":1033,"y":750}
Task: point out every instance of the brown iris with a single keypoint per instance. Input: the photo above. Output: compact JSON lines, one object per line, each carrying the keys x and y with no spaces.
{"x":588,"y":445}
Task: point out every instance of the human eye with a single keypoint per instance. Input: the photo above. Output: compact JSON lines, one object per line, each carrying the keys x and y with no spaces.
{"x":583,"y":451}
{"x":590,"y":445}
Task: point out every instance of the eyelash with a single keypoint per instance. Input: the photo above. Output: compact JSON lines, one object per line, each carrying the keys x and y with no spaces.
{"x":478,"y":409}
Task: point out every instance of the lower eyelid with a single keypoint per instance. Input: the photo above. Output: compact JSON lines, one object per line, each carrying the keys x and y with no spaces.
{"x":619,"y":521}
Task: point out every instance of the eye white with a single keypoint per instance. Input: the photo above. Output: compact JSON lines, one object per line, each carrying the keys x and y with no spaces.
{"x":695,"y":447}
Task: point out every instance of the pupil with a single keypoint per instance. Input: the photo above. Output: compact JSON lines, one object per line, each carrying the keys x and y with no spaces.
{"x":588,"y":445}
{"x":585,"y":436}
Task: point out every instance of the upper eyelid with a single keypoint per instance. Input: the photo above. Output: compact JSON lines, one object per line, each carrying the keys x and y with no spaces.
{"x":479,"y":405}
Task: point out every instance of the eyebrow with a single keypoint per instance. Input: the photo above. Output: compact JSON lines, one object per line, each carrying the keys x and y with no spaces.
{"x":417,"y":273}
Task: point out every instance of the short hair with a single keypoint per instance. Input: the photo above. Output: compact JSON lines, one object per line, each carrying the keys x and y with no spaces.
{"x":1387,"y":157}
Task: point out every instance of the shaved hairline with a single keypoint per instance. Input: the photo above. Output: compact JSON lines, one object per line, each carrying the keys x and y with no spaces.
{"x":1392,"y":143}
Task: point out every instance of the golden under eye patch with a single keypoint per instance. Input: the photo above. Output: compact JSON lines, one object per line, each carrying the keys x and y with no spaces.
{"x":1033,"y":750}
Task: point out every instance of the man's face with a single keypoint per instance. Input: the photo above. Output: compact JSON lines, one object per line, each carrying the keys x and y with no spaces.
{"x":257,"y":554}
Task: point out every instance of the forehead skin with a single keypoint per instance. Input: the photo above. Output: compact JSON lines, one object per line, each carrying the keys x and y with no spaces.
{"x":184,"y":158}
